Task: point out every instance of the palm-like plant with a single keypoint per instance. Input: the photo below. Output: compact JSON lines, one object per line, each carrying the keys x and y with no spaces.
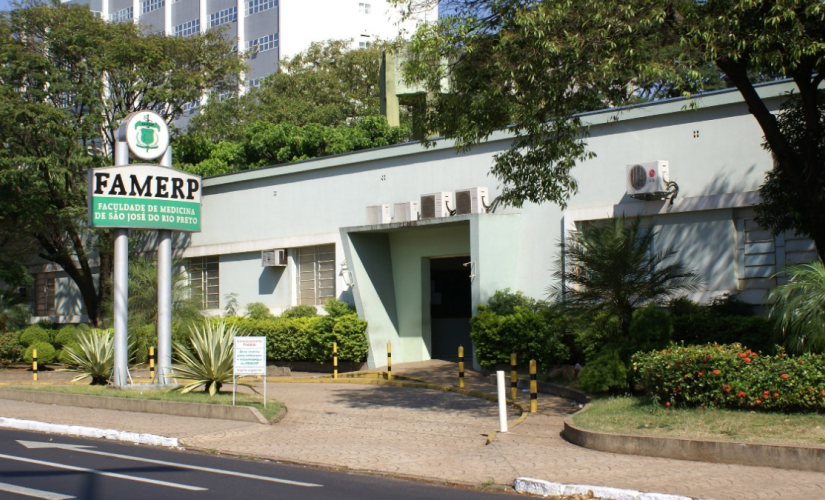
{"x":94,"y":356}
{"x":210,"y":362}
{"x":611,"y":266}
{"x":799,"y":307}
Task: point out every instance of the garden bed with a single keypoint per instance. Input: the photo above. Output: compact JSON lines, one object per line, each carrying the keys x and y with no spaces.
{"x":638,"y":416}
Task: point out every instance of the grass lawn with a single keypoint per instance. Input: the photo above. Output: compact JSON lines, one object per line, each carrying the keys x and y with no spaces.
{"x":630,"y":415}
{"x":222,"y":398}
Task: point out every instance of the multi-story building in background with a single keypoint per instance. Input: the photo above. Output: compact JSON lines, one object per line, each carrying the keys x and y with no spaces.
{"x":267,"y":29}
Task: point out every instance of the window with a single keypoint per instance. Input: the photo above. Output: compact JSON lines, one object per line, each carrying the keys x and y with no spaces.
{"x":363,"y":8}
{"x":223,"y":17}
{"x":150,"y":5}
{"x":44,"y":295}
{"x":191,"y":106}
{"x":264,"y":43}
{"x":204,"y":280}
{"x":188,"y":28}
{"x":760,"y":254}
{"x":123,"y":15}
{"x":254,"y":83}
{"x":316,"y":274}
{"x":255,"y":6}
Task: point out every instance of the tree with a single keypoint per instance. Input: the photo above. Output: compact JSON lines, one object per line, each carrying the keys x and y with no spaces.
{"x":68,"y":78}
{"x":536,"y":64}
{"x":610,"y":266}
{"x":329,"y":84}
{"x":799,"y":307}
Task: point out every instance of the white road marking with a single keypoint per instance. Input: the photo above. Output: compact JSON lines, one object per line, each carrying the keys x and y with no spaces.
{"x":84,"y":449}
{"x":104,"y":473}
{"x":31,"y":492}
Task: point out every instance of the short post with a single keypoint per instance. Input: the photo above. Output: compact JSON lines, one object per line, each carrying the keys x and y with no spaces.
{"x":461,"y":366}
{"x":335,"y":360}
{"x":34,"y":364}
{"x":513,"y":377}
{"x":389,"y":361}
{"x":502,"y":401}
{"x":534,"y":407}
{"x":151,"y":363}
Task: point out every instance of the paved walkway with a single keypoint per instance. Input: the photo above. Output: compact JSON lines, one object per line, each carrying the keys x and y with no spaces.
{"x":439,"y":436}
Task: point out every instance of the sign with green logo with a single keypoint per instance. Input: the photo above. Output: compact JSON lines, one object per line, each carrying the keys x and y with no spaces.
{"x":146,"y":134}
{"x":144,"y":197}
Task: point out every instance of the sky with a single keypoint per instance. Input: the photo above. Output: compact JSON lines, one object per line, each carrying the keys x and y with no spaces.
{"x":4,"y":4}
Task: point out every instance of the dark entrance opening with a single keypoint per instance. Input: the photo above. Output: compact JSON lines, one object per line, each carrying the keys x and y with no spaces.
{"x":450,"y":308}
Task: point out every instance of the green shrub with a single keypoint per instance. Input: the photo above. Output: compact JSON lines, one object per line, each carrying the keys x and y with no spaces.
{"x":337,"y":308}
{"x":732,"y":376}
{"x":47,"y":324}
{"x":10,"y":348}
{"x":594,"y":332}
{"x":301,"y":311}
{"x":64,"y":336}
{"x":504,"y":302}
{"x":605,"y":373}
{"x":64,"y":356}
{"x":350,"y":334}
{"x":140,"y":339}
{"x":651,"y":328}
{"x":33,"y":334}
{"x":258,"y":310}
{"x":45,"y":353}
{"x":93,"y":357}
{"x":755,"y":332}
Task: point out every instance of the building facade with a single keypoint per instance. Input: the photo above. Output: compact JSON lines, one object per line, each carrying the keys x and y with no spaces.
{"x":302,"y":232}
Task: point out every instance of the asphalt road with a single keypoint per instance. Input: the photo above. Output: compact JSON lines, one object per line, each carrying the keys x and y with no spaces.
{"x":35,"y":465}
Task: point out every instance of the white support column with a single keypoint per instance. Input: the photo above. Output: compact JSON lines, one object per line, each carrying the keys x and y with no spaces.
{"x":167,"y":17}
{"x":136,"y":11}
{"x":104,"y":10}
{"x":241,"y":24}
{"x":204,"y":15}
{"x":164,"y":327}
{"x":121,"y":289}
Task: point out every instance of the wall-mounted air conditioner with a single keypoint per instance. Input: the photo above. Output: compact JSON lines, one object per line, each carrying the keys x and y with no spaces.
{"x":405,"y":212}
{"x":648,"y":180}
{"x":378,"y":214}
{"x":471,"y":201}
{"x":273,"y":258}
{"x":435,"y":205}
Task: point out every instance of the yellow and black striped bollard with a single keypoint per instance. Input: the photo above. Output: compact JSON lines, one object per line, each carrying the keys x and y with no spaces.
{"x":151,"y":364}
{"x":513,"y":377}
{"x":534,"y":403}
{"x":389,"y":361}
{"x":334,"y":360}
{"x":461,"y":366}
{"x":34,"y":364}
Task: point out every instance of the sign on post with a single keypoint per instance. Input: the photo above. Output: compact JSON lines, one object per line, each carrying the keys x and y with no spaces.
{"x":249,"y":359}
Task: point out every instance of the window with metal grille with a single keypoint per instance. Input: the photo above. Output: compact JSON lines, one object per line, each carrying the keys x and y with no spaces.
{"x":224,"y":16}
{"x":316,"y":274}
{"x":188,"y":28}
{"x":123,"y":15}
{"x":151,"y":5}
{"x":255,"y":6}
{"x":761,"y":254}
{"x":44,"y":295}
{"x":204,"y":281}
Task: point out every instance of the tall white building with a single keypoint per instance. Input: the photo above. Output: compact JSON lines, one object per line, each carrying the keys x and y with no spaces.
{"x":274,"y":28}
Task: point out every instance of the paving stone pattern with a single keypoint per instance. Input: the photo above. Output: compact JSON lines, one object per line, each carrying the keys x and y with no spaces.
{"x":439,"y":436}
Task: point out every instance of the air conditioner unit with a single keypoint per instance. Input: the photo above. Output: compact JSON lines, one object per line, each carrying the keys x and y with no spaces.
{"x":648,"y":180}
{"x":435,"y":205}
{"x":273,"y":258}
{"x":405,"y":212}
{"x":378,"y":214}
{"x":471,"y":201}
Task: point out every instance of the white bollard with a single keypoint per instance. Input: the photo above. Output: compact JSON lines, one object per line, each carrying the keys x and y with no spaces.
{"x":502,"y":402}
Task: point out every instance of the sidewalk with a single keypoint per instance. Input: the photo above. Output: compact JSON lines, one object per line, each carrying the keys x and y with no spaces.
{"x":438,"y":436}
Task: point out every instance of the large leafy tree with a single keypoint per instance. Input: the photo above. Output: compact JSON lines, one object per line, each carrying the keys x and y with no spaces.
{"x":66,"y":80}
{"x":535,"y":64}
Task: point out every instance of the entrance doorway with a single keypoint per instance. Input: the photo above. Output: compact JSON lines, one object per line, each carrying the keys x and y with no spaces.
{"x":450,"y":308}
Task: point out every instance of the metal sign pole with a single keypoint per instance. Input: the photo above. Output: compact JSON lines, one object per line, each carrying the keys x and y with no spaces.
{"x":164,"y":328}
{"x":121,"y":288}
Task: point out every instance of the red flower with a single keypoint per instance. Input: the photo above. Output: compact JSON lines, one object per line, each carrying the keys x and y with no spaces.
{"x":667,"y":404}
{"x":716,"y":372}
{"x":700,"y":374}
{"x":758,"y":402}
{"x":766,"y":392}
{"x":822,"y":393}
{"x":741,"y":394}
{"x":747,"y":360}
{"x":728,"y":390}
{"x":776,"y":394}
{"x":784,"y":375}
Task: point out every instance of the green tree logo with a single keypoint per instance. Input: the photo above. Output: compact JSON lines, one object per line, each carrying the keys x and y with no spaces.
{"x":147,"y":137}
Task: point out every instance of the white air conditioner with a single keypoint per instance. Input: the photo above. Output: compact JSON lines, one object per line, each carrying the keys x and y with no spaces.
{"x":273,"y":258}
{"x":471,"y":201}
{"x":405,"y":212}
{"x":435,"y":205}
{"x":378,"y":214}
{"x":648,"y":180}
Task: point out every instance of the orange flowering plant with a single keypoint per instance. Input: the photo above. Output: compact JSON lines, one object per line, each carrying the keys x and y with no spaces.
{"x":731,"y":376}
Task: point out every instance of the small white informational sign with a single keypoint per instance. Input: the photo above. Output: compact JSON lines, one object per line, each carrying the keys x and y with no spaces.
{"x":249,"y":359}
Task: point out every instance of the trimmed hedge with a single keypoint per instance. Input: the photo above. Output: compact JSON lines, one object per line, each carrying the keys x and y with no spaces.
{"x":64,"y":336}
{"x":308,"y":338}
{"x":32,"y":335}
{"x":10,"y":348}
{"x":732,"y":376}
{"x":45,"y":353}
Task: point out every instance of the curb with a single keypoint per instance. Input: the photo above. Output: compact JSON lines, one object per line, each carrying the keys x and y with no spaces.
{"x":91,"y":432}
{"x":709,"y":451}
{"x":547,"y":488}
